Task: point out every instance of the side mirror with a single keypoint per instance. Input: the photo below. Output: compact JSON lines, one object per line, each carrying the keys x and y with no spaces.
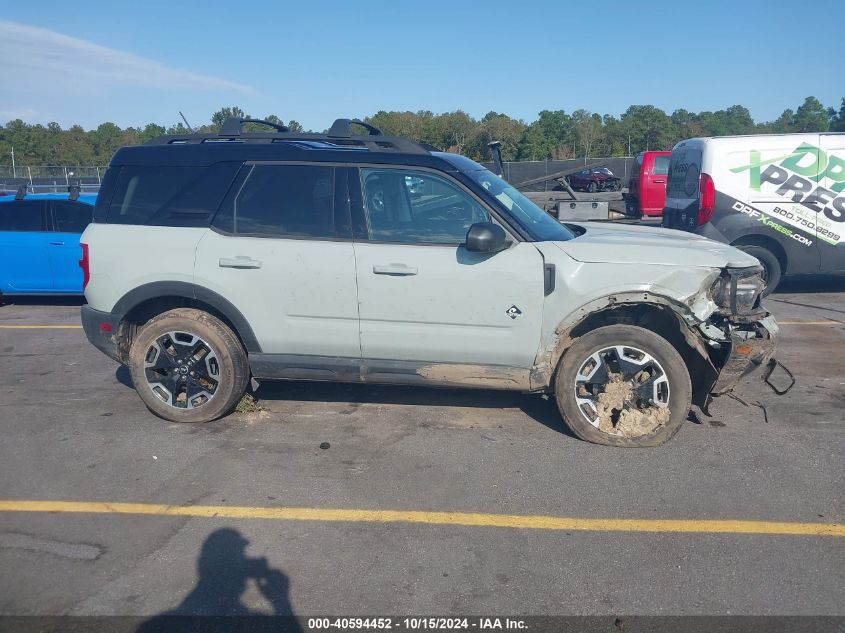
{"x":486,"y":237}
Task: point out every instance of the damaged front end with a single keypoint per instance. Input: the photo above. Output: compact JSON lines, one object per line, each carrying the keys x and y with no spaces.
{"x":747,"y":347}
{"x":740,"y":334}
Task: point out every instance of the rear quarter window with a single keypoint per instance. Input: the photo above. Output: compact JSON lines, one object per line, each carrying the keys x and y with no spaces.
{"x":70,"y":216}
{"x":169,"y":196}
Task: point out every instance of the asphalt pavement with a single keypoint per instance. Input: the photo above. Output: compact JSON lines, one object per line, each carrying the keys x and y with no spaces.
{"x":354,"y":500}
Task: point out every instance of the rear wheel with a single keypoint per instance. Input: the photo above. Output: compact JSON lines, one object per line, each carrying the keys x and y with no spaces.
{"x":772,"y":270}
{"x":622,"y":385}
{"x":188,"y":366}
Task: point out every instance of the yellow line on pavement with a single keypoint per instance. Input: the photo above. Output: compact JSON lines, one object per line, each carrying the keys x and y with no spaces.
{"x":471,"y":519}
{"x":810,"y":323}
{"x":40,"y":327}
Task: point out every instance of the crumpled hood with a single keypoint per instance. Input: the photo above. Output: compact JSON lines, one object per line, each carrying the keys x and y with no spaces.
{"x":628,"y":244}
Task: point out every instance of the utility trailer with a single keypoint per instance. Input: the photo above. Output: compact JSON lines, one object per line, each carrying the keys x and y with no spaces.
{"x":563,"y":202}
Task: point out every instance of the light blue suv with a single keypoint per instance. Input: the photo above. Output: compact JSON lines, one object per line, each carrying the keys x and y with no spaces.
{"x":213,"y":259}
{"x":39,"y":243}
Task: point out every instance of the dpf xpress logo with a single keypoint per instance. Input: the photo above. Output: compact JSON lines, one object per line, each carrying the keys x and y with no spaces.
{"x":797,"y":177}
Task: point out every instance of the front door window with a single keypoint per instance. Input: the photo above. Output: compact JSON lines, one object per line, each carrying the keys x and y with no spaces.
{"x":417,"y":207}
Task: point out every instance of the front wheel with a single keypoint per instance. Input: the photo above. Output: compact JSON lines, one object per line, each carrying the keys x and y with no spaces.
{"x":623,"y":385}
{"x":188,"y":366}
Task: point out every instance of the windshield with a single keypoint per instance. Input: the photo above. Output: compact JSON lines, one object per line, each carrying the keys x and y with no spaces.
{"x":525,"y":213}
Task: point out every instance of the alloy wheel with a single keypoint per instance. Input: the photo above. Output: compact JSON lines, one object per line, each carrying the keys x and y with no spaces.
{"x":622,"y":390}
{"x":182,"y":370}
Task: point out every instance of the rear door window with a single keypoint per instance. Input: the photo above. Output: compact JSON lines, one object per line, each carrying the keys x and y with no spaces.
{"x":661,"y":165}
{"x":70,"y":216}
{"x":684,"y":171}
{"x":23,"y":215}
{"x":288,"y":201}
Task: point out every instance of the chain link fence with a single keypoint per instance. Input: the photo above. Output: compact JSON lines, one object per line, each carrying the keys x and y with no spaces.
{"x":50,"y":178}
{"x":57,"y":178}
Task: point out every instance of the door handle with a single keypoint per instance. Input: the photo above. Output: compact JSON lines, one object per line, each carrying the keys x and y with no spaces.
{"x":241,"y":261}
{"x":659,"y":181}
{"x":57,"y":243}
{"x":397,"y":270}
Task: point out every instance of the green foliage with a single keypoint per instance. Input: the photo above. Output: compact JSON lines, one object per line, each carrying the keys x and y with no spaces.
{"x":552,"y":135}
{"x":837,"y":119}
{"x":811,"y":116}
{"x":648,"y":127}
{"x":555,"y":134}
{"x":248,"y":404}
{"x":220,"y":117}
{"x":497,"y":127}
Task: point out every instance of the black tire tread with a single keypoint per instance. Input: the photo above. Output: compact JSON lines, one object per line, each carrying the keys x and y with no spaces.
{"x":233,"y":361}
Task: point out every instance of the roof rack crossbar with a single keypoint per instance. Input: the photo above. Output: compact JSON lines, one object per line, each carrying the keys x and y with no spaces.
{"x":234,"y":126}
{"x":340,"y":134}
{"x":74,"y":190}
{"x":343,"y":128}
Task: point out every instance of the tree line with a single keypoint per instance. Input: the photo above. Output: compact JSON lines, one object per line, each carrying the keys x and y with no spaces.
{"x":555,"y":134}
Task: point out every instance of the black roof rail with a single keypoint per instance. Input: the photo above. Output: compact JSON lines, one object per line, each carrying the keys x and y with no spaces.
{"x":234,"y":126}
{"x":20,"y":194}
{"x":340,"y":135}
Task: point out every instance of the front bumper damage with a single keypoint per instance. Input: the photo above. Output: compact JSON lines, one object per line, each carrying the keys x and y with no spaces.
{"x":750,"y":346}
{"x":747,"y":347}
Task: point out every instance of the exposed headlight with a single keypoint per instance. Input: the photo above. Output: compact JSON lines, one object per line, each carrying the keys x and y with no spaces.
{"x":738,"y":290}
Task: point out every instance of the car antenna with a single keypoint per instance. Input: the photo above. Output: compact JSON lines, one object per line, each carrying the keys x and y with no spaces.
{"x":186,"y":122}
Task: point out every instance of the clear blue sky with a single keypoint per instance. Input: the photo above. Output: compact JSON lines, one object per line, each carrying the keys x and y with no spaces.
{"x":313,"y":61}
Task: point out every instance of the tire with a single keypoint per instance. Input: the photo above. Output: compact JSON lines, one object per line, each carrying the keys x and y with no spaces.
{"x":772,"y":271}
{"x":646,"y":358}
{"x":591,"y":187}
{"x":188,"y":366}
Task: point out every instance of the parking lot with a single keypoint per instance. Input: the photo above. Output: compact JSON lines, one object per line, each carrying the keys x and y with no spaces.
{"x":364,"y":499}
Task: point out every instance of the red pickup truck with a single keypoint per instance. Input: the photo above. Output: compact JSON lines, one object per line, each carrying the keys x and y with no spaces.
{"x":647,"y":184}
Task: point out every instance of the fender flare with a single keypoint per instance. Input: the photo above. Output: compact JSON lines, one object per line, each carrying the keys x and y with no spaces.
{"x":185,"y":290}
{"x":549,"y":355}
{"x":627,"y":297}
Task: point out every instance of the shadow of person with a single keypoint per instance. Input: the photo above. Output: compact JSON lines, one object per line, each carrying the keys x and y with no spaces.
{"x":215,"y":601}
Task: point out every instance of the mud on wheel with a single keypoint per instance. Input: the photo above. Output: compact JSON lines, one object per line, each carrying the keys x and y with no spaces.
{"x":188,"y":366}
{"x":623,"y":385}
